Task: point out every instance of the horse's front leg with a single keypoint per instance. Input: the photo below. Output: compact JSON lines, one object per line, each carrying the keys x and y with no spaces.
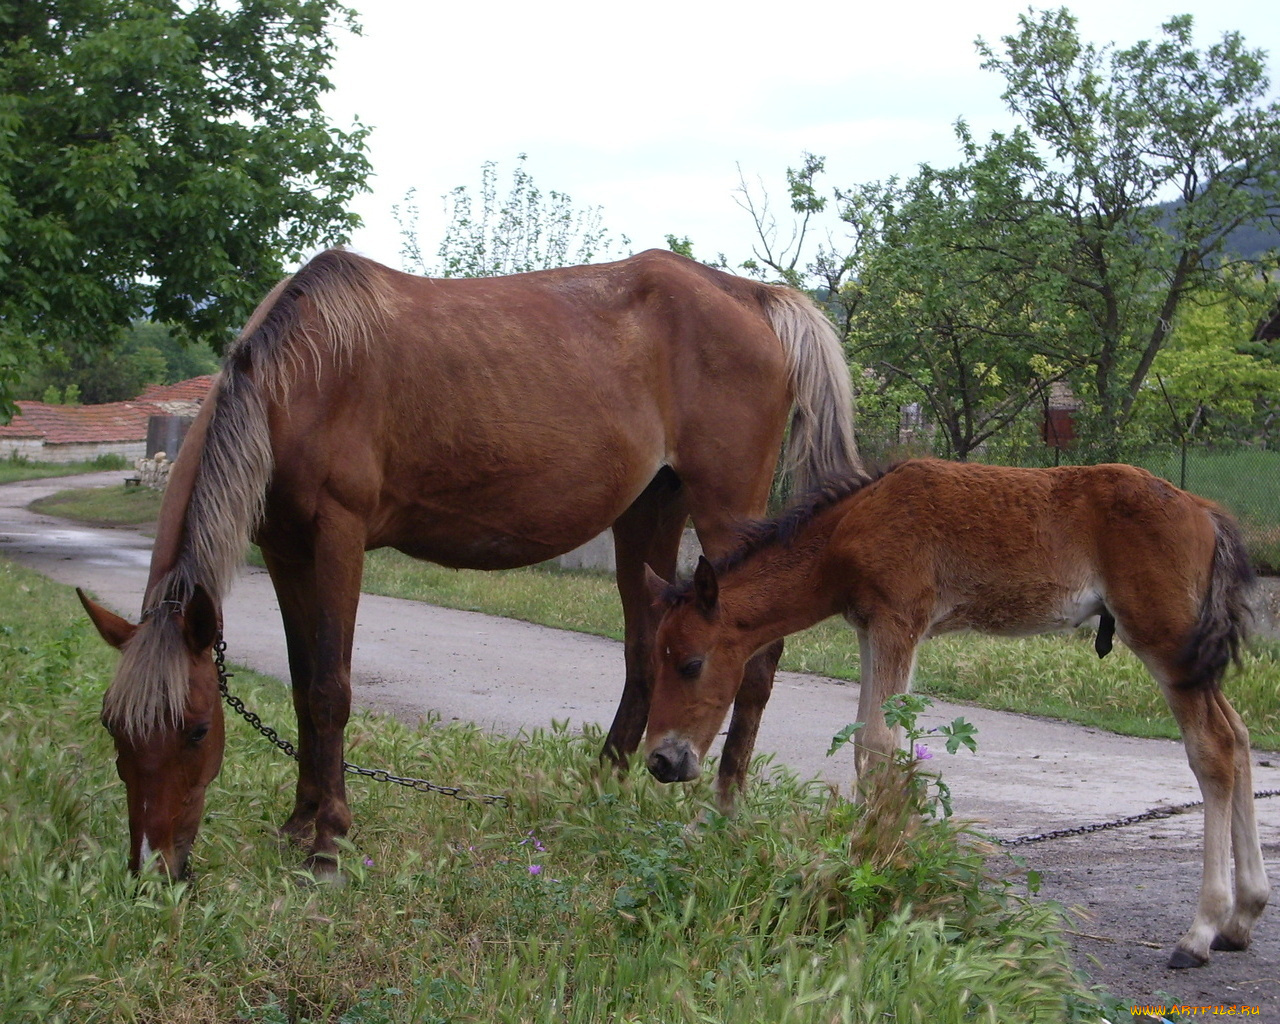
{"x":748,"y":707}
{"x":294,"y":581}
{"x":338,"y":569}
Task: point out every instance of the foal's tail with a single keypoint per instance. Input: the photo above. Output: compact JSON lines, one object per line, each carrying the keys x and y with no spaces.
{"x":820,"y":444}
{"x":1225,"y":615}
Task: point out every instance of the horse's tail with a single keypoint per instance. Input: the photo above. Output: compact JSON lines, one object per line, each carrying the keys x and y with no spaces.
{"x":1225,"y":613}
{"x":820,"y":443}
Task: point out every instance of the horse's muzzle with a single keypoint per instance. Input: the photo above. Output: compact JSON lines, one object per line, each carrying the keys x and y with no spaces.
{"x":674,"y":760}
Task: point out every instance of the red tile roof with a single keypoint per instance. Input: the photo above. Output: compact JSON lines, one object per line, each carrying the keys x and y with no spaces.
{"x":86,"y":424}
{"x":193,"y":390}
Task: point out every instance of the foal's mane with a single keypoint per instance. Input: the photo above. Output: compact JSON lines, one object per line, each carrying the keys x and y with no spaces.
{"x":318,"y":318}
{"x":758,"y":535}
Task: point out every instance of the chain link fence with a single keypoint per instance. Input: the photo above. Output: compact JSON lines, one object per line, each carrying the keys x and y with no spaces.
{"x":1245,"y":480}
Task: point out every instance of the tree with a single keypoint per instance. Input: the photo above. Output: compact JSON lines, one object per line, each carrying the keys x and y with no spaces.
{"x":977,"y":335}
{"x":147,"y":353}
{"x":524,"y":231}
{"x":1069,"y":244}
{"x":1121,"y":130}
{"x":161,"y":158}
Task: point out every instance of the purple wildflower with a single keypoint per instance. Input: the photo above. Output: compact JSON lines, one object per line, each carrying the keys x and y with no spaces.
{"x":535,"y":869}
{"x":368,"y":862}
{"x":922,"y":752}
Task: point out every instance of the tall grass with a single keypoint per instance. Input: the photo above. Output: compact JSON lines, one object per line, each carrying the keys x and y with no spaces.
{"x":583,"y":900}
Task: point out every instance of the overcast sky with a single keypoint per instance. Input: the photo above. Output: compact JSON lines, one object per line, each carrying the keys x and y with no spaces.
{"x":648,"y":109}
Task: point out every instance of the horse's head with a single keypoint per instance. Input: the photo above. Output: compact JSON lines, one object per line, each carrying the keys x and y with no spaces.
{"x":699,"y":658}
{"x":168,"y":729}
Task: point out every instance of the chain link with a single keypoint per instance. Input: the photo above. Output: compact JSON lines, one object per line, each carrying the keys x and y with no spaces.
{"x":377,"y":774}
{"x":1154,"y":814}
{"x":423,"y":786}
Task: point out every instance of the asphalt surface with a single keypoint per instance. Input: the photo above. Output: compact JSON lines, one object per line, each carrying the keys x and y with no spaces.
{"x":1029,"y":775}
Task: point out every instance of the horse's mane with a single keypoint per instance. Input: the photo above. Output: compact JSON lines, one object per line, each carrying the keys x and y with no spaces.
{"x":346,"y":297}
{"x":757,"y":535}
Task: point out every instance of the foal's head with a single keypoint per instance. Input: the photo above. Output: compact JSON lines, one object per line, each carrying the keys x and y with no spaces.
{"x":699,"y":656}
{"x":164,"y":712}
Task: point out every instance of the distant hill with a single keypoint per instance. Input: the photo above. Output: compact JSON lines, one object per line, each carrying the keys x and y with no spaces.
{"x":1250,"y":241}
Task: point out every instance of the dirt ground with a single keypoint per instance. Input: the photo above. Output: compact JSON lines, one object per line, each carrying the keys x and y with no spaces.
{"x":1134,"y":887}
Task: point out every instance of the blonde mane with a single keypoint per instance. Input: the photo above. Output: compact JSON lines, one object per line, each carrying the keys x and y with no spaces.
{"x":346,"y":298}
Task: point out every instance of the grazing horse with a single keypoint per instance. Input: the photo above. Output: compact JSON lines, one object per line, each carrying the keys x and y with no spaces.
{"x":486,"y":424}
{"x":932,"y":547}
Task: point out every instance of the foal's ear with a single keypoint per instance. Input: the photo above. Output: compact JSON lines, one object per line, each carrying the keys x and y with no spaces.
{"x":656,"y":586}
{"x":200,"y":623}
{"x":113,"y":629}
{"x":706,"y":588}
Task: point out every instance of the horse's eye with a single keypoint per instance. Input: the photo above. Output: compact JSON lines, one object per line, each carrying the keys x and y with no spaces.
{"x":198,"y":733}
{"x":691,"y":669}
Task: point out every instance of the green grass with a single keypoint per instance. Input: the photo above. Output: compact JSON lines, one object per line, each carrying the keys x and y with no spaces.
{"x":1247,"y":481}
{"x":104,"y":506}
{"x":798,"y":911}
{"x":12,"y":469}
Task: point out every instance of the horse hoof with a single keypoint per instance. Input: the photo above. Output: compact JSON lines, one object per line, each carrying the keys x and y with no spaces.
{"x":323,"y":870}
{"x":1183,"y":958}
{"x":1228,"y":945}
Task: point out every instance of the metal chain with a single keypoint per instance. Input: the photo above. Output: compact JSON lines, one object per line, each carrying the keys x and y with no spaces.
{"x":1132,"y":819}
{"x":377,"y":774}
{"x":423,"y":786}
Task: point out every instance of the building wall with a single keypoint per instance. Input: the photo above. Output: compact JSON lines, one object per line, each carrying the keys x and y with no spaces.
{"x":38,"y":451}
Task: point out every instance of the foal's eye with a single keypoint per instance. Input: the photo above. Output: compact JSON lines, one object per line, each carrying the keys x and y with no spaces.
{"x":198,"y":733}
{"x":691,"y":669}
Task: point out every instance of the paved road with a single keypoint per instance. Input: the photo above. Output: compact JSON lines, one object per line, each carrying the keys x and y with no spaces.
{"x":412,"y":659}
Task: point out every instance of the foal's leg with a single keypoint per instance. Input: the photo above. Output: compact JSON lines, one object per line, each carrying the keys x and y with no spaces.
{"x":647,"y":533}
{"x":888,"y":653}
{"x":1251,"y":886}
{"x":1210,"y":740}
{"x":295,"y":587}
{"x":748,"y":707}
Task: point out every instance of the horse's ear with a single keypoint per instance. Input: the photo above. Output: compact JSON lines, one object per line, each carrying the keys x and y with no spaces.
{"x":200,"y":624}
{"x":113,"y":629}
{"x":706,"y":588}
{"x":656,"y":586}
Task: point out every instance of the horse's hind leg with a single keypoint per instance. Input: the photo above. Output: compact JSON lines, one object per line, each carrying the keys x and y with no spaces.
{"x":1211,"y":744}
{"x":647,"y":533}
{"x":1251,"y":886}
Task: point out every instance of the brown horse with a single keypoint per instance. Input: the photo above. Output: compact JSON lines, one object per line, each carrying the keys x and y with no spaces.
{"x":933,"y":547}
{"x":484,"y":423}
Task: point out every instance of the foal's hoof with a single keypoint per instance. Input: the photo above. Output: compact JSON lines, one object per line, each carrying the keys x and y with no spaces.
{"x":1184,"y":958}
{"x":1228,"y":945}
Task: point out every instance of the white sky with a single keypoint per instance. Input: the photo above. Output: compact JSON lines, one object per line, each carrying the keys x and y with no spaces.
{"x":647,"y":109}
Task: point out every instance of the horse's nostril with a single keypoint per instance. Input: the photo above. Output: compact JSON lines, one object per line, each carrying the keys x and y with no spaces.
{"x":660,"y":767}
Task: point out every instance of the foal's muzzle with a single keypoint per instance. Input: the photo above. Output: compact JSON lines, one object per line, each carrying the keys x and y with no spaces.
{"x":674,"y":760}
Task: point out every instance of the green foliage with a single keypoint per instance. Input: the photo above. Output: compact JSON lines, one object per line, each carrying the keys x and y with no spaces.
{"x":805,"y":909}
{"x":488,"y":236}
{"x":1124,"y":128}
{"x":1050,"y":252}
{"x":147,"y":353}
{"x":161,"y":157}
